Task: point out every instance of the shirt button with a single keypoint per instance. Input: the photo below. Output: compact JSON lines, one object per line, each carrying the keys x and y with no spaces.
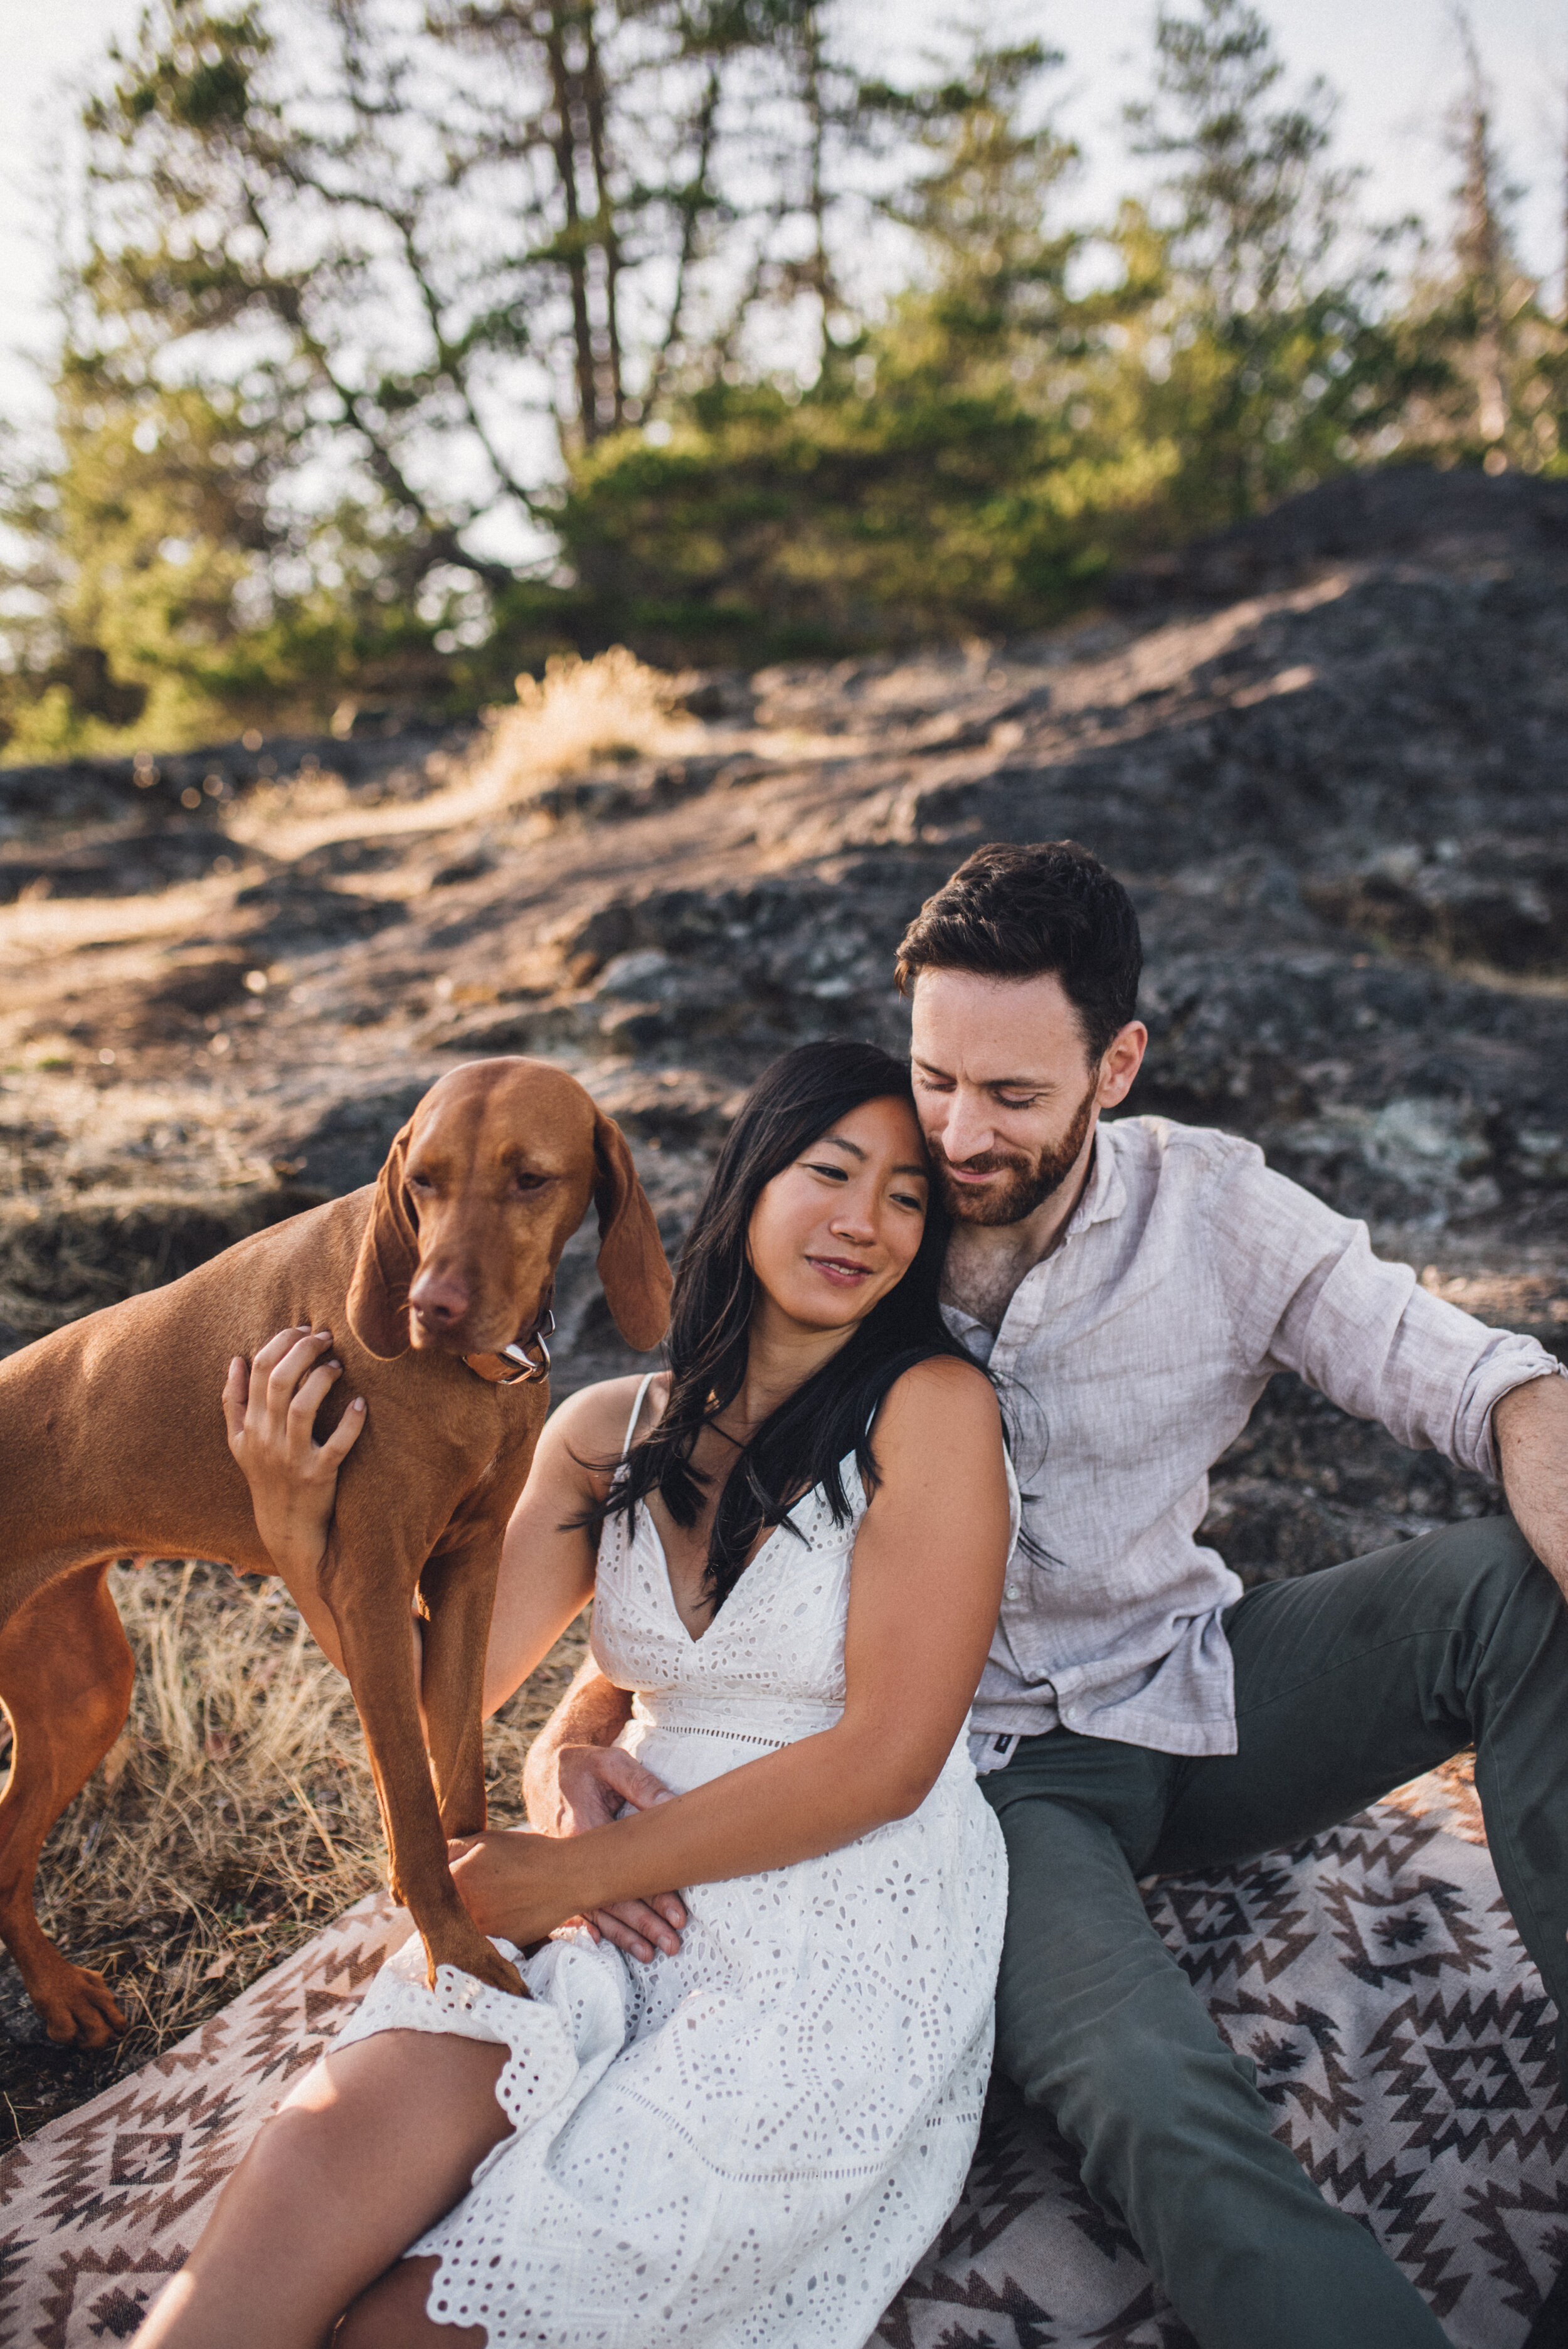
{"x":1011,"y":1591}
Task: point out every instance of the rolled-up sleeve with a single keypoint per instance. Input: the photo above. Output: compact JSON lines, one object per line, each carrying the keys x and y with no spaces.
{"x":1363,"y":1332}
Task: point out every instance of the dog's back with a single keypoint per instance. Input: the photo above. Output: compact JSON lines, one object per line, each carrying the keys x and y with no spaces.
{"x":111,"y":1433}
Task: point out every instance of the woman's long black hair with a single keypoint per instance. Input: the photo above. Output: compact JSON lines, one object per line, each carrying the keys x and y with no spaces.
{"x":804,"y":1442}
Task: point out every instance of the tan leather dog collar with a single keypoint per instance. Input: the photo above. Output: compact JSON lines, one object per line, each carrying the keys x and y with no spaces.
{"x":512,"y":1366}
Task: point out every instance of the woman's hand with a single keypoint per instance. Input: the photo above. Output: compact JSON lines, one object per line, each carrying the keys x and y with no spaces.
{"x":510,"y":1883}
{"x":271,"y":1411}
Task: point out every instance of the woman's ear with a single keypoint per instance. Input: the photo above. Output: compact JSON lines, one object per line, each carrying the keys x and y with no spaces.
{"x":388,"y":1253}
{"x":632,"y":1266}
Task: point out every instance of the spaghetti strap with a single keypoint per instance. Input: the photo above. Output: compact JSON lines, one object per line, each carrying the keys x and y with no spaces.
{"x":637,"y":1411}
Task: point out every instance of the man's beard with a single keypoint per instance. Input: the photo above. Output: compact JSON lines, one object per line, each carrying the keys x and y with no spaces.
{"x":1029,"y":1182}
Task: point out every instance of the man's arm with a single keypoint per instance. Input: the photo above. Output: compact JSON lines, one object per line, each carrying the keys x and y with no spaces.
{"x":573,"y":1776}
{"x":1306,"y":1294}
{"x":577,"y":1777}
{"x":1530,"y":1429}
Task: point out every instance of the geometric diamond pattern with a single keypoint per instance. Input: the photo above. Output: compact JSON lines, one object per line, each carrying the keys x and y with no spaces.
{"x":1402,"y":2037}
{"x":1372,"y":1976}
{"x":100,"y":2208}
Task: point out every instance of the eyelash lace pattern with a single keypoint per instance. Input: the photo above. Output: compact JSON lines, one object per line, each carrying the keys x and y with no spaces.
{"x":749,"y":2145}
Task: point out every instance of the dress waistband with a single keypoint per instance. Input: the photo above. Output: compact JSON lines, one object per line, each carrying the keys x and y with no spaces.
{"x":762,"y":1722}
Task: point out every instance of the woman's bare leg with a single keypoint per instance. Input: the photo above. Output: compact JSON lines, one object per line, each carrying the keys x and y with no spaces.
{"x":376,"y":2142}
{"x":391,"y":2315}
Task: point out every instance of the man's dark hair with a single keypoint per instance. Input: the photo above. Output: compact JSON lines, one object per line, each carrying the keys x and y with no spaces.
{"x":1019,"y":912}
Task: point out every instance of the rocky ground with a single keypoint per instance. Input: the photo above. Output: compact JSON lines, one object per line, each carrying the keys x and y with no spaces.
{"x":1324,"y":752}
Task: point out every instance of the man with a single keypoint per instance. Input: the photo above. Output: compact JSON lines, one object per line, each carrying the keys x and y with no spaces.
{"x":1132,"y":1287}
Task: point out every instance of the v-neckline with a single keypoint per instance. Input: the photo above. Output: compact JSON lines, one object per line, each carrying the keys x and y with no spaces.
{"x":696,"y":1638}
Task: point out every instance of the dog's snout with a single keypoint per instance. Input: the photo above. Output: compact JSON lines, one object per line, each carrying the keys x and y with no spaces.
{"x":440,"y":1298}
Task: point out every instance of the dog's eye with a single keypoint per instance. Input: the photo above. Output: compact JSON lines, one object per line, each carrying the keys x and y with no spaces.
{"x":420,"y":1182}
{"x":522,"y":1182}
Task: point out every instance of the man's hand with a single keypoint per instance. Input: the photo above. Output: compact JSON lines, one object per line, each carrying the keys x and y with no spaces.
{"x":591,"y":1784}
{"x":577,"y":1777}
{"x":1530,"y":1424}
{"x":596,"y":1783}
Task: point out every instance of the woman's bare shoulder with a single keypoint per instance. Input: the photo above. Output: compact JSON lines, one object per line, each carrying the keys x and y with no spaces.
{"x":942,"y":1400}
{"x":593,"y":1420}
{"x":942,"y":1378}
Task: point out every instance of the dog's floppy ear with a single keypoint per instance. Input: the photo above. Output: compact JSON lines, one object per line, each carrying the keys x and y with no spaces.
{"x":632,"y":1266}
{"x":378,"y":1293}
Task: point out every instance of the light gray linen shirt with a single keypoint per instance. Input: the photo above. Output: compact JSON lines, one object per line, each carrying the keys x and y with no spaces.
{"x":1129,"y":1359}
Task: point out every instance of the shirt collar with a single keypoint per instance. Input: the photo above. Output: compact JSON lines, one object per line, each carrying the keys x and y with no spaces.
{"x":1105,"y":1193}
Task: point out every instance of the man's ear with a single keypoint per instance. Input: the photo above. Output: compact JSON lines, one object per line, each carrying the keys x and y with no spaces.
{"x":388,"y":1253}
{"x":632,"y":1266}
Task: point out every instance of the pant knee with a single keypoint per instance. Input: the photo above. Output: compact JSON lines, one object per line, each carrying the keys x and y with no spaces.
{"x":1160,"y":2105}
{"x":1489,"y":1554}
{"x":1146,"y":2079}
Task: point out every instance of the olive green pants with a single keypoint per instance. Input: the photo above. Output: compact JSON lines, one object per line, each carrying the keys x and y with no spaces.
{"x":1347,"y":1683}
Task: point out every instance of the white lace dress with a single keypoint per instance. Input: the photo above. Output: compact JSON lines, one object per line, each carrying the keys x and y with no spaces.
{"x":749,"y":2145}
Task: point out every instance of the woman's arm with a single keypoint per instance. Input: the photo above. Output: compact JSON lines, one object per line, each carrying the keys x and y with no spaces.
{"x":548,"y":1566}
{"x":269,"y":1408}
{"x":924,"y":1592}
{"x":546,"y":1561}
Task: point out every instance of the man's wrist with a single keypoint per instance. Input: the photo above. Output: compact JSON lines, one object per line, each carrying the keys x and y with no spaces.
{"x":594,"y":1712}
{"x":542,"y":1785}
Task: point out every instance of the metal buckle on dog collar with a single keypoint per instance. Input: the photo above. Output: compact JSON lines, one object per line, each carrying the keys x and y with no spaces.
{"x":544,"y":1328}
{"x":529,"y":1372}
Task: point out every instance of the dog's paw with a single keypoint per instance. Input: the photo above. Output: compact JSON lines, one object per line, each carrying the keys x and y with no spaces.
{"x":483,"y":1960}
{"x":77,"y":2007}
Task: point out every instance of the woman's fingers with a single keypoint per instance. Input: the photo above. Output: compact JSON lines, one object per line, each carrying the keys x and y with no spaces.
{"x":285,"y":1374}
{"x":306,"y":1400}
{"x":236,"y":1387}
{"x":274,"y":1402}
{"x":346,"y":1435}
{"x":272,"y":1353}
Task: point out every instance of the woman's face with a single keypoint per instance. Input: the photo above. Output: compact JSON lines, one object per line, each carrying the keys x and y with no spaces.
{"x":838,"y":1229}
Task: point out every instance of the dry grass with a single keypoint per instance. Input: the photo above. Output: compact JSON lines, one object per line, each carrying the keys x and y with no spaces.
{"x":611,"y":707}
{"x":57,"y":925}
{"x":236,"y":1816}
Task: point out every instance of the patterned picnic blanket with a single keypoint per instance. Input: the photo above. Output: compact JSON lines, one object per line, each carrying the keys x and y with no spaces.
{"x":1372,"y":1976}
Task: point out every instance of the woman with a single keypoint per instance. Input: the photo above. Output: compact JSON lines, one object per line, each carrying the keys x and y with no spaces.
{"x":751,"y":2141}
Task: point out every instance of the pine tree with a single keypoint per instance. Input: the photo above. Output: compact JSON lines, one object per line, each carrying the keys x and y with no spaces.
{"x":391,"y":274}
{"x":1264,"y":350}
{"x":957,"y":464}
{"x":1494,"y":363}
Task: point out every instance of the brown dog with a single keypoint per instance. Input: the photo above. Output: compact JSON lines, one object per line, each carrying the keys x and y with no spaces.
{"x":112,"y":1443}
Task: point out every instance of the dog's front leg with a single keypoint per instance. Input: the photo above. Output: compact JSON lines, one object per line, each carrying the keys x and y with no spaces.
{"x":458,"y":1589}
{"x":371,"y":1617}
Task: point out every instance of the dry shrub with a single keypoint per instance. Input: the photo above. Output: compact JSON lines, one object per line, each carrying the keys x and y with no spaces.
{"x":609,"y":706}
{"x":236,"y":1816}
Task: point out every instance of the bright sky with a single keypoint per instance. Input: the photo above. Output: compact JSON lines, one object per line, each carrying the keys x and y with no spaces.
{"x":1395,"y":63}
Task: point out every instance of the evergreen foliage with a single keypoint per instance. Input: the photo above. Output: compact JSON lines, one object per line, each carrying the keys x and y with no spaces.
{"x":411,"y":345}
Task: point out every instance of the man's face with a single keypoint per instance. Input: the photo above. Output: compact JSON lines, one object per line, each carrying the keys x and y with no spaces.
{"x":1007,"y":1093}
